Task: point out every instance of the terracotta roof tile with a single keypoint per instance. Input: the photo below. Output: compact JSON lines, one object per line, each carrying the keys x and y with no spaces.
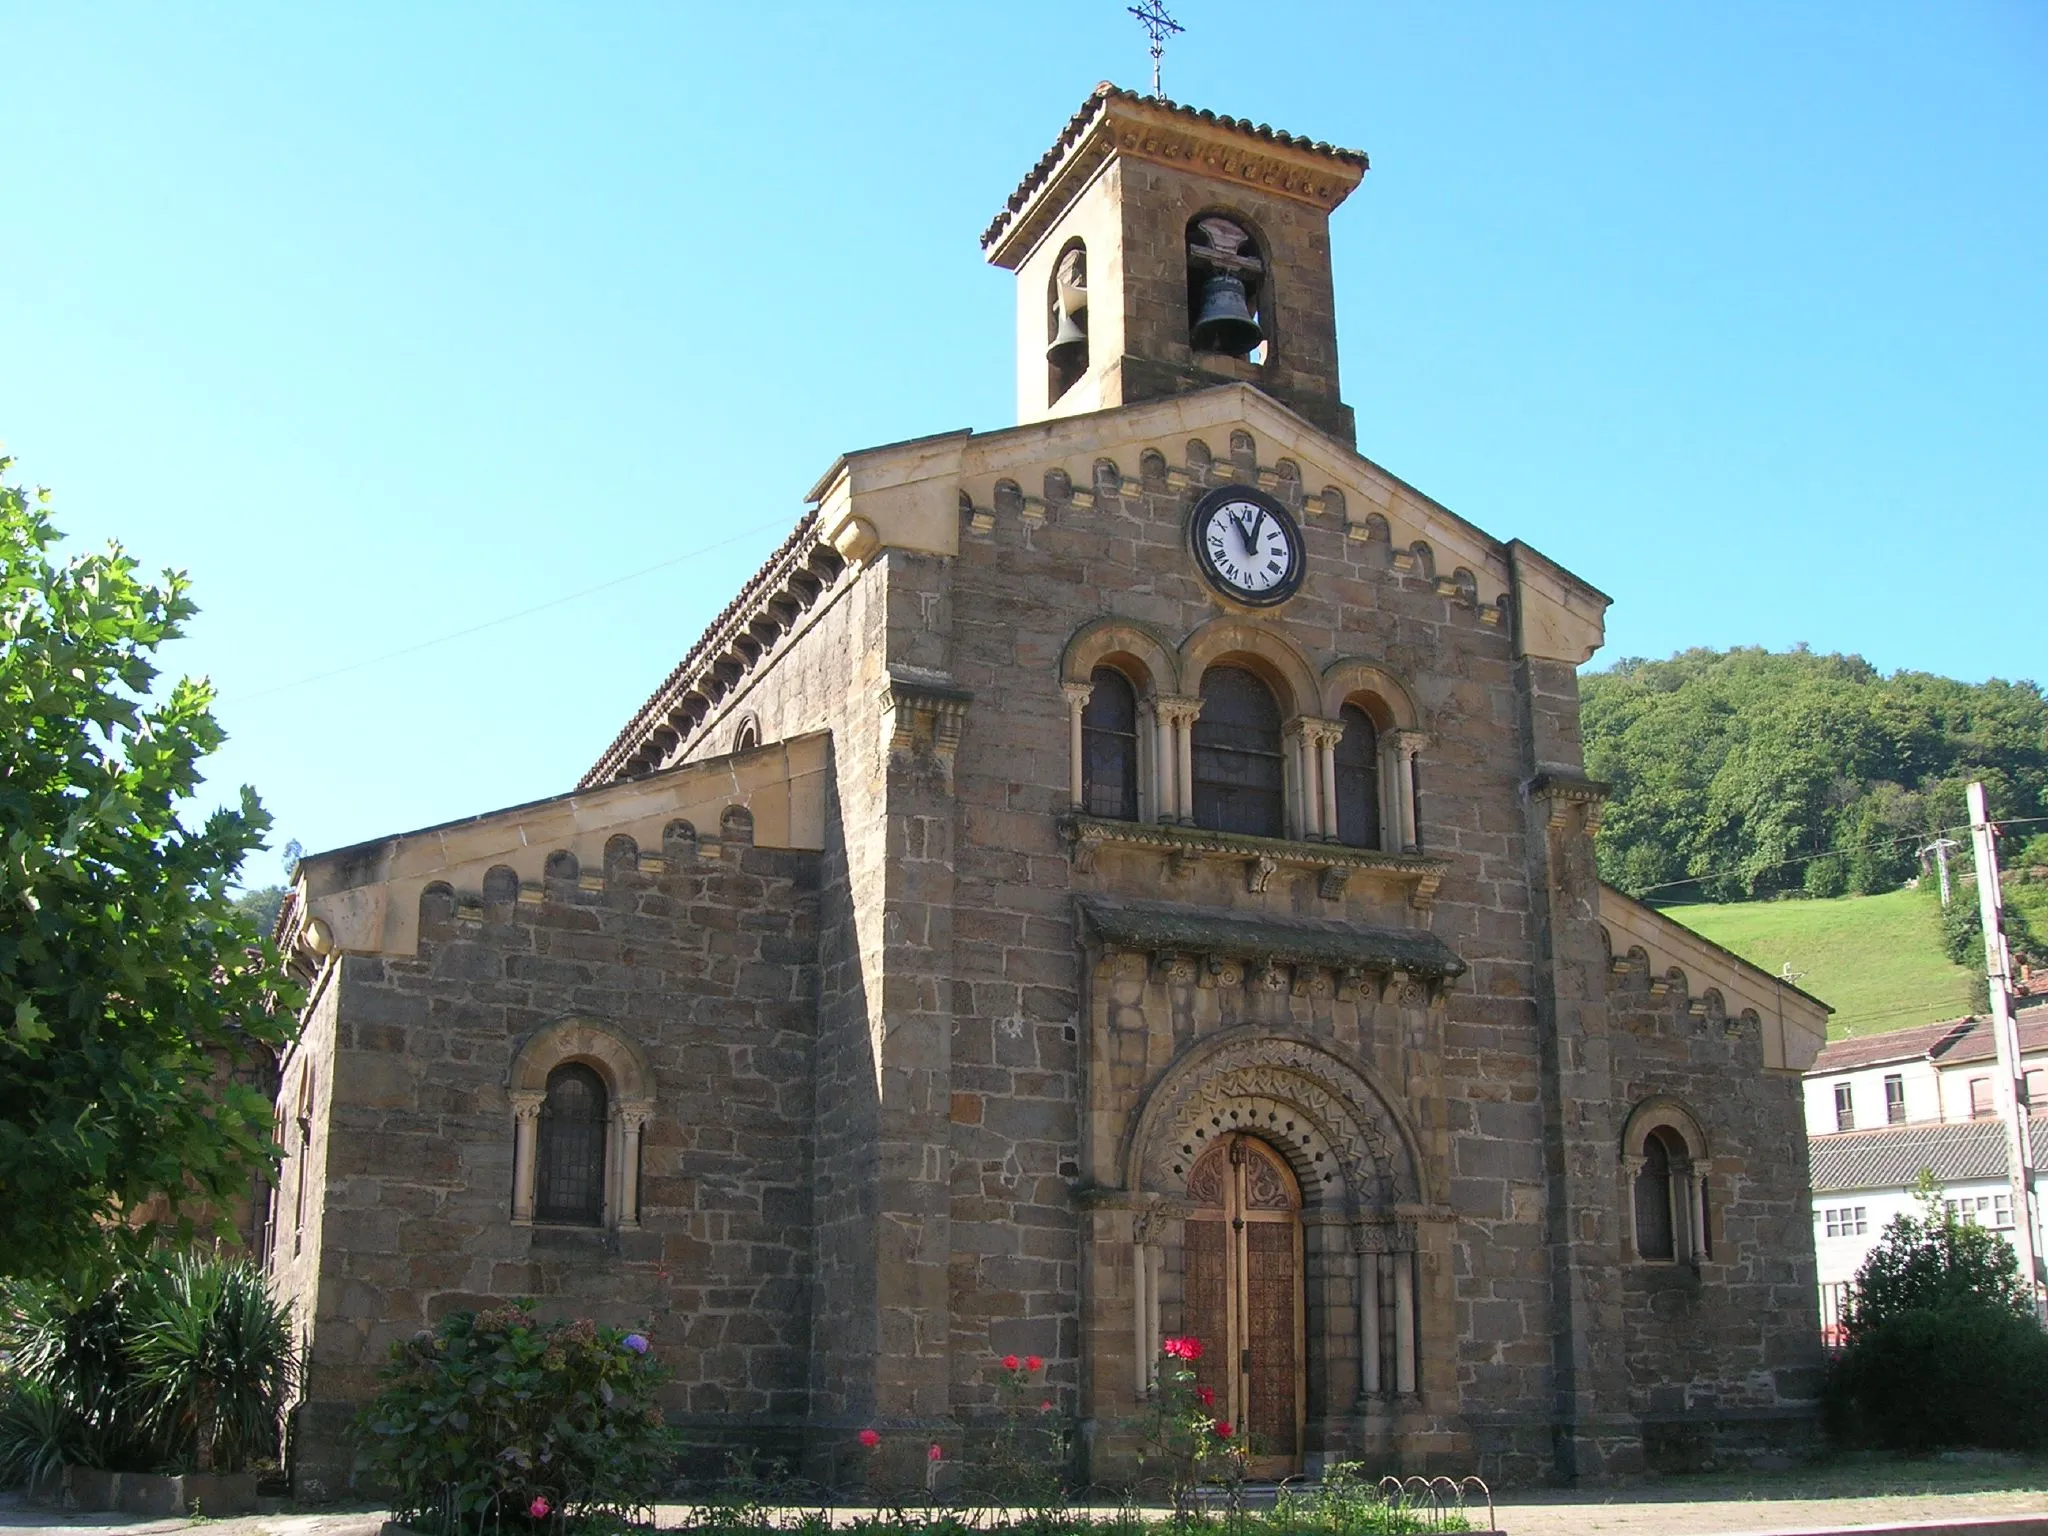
{"x":1079,"y":123}
{"x":1947,"y":1043}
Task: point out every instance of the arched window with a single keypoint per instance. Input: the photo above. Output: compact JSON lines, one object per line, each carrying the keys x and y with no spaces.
{"x":570,"y":1185}
{"x":1109,"y":746}
{"x":1358,"y":780}
{"x":1226,"y":283}
{"x":1239,"y":773}
{"x":1656,"y":1232}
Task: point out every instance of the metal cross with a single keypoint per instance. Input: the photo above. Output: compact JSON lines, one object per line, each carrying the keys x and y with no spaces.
{"x":1159,"y":27}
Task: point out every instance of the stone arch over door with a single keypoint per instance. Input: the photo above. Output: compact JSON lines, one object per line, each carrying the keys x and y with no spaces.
{"x":1363,"y":1199}
{"x":1349,"y":1149}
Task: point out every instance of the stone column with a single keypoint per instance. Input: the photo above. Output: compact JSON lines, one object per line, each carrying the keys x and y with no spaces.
{"x":1368,"y":1322}
{"x":632,"y":1119}
{"x":1407,"y":745}
{"x":1326,"y":752}
{"x":1304,"y":805}
{"x":526,"y":1105}
{"x":1177,"y":771}
{"x":1077,"y":700}
{"x":1404,"y":1324}
{"x":1631,"y":1170}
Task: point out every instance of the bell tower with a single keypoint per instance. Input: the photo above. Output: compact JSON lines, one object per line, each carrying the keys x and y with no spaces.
{"x":1159,"y":249}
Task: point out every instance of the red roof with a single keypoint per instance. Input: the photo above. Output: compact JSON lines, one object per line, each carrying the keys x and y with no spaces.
{"x":1948,"y":1043}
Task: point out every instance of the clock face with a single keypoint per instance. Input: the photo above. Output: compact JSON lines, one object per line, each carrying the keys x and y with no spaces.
{"x":1247,"y":545}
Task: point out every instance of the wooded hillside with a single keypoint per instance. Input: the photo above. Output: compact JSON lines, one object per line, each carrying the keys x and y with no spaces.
{"x":1746,"y":773}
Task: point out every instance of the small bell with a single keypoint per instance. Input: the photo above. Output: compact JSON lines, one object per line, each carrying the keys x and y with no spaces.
{"x":1226,"y":323}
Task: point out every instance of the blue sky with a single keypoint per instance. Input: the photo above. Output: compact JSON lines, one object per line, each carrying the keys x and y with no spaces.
{"x":387,"y":323}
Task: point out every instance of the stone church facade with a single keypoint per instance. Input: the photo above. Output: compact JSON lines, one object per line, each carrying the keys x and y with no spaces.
{"x":1013,"y":928}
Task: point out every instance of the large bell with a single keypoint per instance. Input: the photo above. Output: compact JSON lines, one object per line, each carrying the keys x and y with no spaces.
{"x":1069,"y":347}
{"x":1225,"y":323}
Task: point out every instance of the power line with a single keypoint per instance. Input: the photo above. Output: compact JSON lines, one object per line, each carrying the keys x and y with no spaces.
{"x":508,"y":618}
{"x":1825,"y":853}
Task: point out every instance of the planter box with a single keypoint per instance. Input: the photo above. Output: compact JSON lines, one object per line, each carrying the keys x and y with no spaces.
{"x":154,"y":1494}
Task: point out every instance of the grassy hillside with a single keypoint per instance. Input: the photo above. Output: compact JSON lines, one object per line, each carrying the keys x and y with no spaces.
{"x":1877,"y":959}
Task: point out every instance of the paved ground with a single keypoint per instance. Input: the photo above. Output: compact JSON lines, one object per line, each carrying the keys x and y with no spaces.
{"x":1834,"y":1497}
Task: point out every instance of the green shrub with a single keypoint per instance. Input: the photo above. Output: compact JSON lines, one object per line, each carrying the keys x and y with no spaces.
{"x":1942,"y":1346}
{"x":497,"y":1416}
{"x":169,"y":1363}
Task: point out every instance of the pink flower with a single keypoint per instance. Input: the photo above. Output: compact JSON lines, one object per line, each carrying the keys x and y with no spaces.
{"x":1223,"y":1430}
{"x":539,"y":1508}
{"x":870,"y":1438}
{"x":1046,"y":1406}
{"x":1033,"y":1363}
{"x":1182,"y":1349}
{"x":1009,"y":1362}
{"x":935,"y":1453}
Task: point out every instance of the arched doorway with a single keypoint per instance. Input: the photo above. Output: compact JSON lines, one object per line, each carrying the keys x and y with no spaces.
{"x":1242,"y":1296}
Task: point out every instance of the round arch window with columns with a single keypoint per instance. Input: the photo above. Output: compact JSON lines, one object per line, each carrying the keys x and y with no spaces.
{"x":1354,"y":684}
{"x":1148,"y":664}
{"x":1665,"y":1162}
{"x":622,"y":1068}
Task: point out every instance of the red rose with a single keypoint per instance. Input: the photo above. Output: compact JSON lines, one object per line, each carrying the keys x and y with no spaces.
{"x":870,"y":1438}
{"x":1033,"y":1363}
{"x":1205,"y":1396}
{"x":934,"y":1454}
{"x":1046,"y":1406}
{"x":1183,"y":1349}
{"x":1223,"y":1430}
{"x":1009,"y":1362}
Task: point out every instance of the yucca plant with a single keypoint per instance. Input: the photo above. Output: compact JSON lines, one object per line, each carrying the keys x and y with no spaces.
{"x":175,"y":1362}
{"x":214,"y":1362}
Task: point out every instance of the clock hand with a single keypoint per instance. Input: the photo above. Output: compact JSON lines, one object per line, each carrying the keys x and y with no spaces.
{"x":1244,"y":535}
{"x":1252,"y":539}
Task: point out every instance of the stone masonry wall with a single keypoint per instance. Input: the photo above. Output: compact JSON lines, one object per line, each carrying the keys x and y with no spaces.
{"x":710,"y":967}
{"x":1720,"y":1358}
{"x":1467,"y":1077}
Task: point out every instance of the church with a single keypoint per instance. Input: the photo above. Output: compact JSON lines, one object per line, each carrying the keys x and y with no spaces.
{"x":1123,"y":875}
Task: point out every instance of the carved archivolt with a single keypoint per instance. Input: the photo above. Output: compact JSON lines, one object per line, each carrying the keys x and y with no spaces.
{"x":1348,"y":676}
{"x":1145,"y":658}
{"x":1265,"y":650}
{"x":1336,"y":1130}
{"x":619,"y":1061}
{"x":1661,"y":1111}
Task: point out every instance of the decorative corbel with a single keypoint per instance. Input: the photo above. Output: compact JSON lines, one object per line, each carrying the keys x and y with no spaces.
{"x":1330,"y":884}
{"x":1259,"y":872}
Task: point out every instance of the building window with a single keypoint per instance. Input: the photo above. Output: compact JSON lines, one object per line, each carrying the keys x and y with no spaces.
{"x":747,"y":737}
{"x":570,"y":1183}
{"x":1980,"y":1098}
{"x":1656,"y":1233}
{"x":1845,"y":1108}
{"x":1358,"y":780}
{"x":1109,"y":746}
{"x":1846,"y":1221}
{"x":1894,"y":1100}
{"x":2037,"y":1090}
{"x":1239,"y":772}
{"x":2001,"y":1211}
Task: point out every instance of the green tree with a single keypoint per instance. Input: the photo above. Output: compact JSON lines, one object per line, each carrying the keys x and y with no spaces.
{"x":1749,"y":773}
{"x":1942,"y":1346}
{"x":128,"y":976}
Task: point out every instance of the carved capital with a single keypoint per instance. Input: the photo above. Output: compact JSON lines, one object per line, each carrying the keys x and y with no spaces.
{"x":1407,"y":744}
{"x":1322,"y":733}
{"x":1077,"y":695}
{"x":923,"y":715}
{"x":526,"y":1103}
{"x":634,"y":1114}
{"x":1177,"y":709}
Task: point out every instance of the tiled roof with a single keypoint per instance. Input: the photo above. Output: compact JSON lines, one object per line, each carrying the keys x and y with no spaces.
{"x":1080,"y":122}
{"x":1953,"y":1151}
{"x":1949,"y":1043}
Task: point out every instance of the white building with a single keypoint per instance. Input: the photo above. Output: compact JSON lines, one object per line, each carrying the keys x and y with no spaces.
{"x":1882,"y":1108}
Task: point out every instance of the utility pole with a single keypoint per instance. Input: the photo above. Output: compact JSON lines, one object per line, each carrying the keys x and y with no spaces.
{"x":2011,"y":1085}
{"x":1939,"y":848}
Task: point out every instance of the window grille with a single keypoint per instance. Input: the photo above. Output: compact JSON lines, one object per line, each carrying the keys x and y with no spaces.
{"x":570,"y":1175}
{"x":1239,"y":773}
{"x":1358,"y":780}
{"x":1109,"y":746}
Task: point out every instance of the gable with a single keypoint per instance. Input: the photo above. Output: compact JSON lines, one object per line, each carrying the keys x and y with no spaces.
{"x":917,"y":495}
{"x":1794,"y":1024}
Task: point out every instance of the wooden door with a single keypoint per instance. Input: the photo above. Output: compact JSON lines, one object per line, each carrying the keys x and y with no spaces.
{"x":1242,"y":1298}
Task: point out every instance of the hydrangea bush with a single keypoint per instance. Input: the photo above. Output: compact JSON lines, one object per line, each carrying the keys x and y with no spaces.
{"x":498,"y":1418}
